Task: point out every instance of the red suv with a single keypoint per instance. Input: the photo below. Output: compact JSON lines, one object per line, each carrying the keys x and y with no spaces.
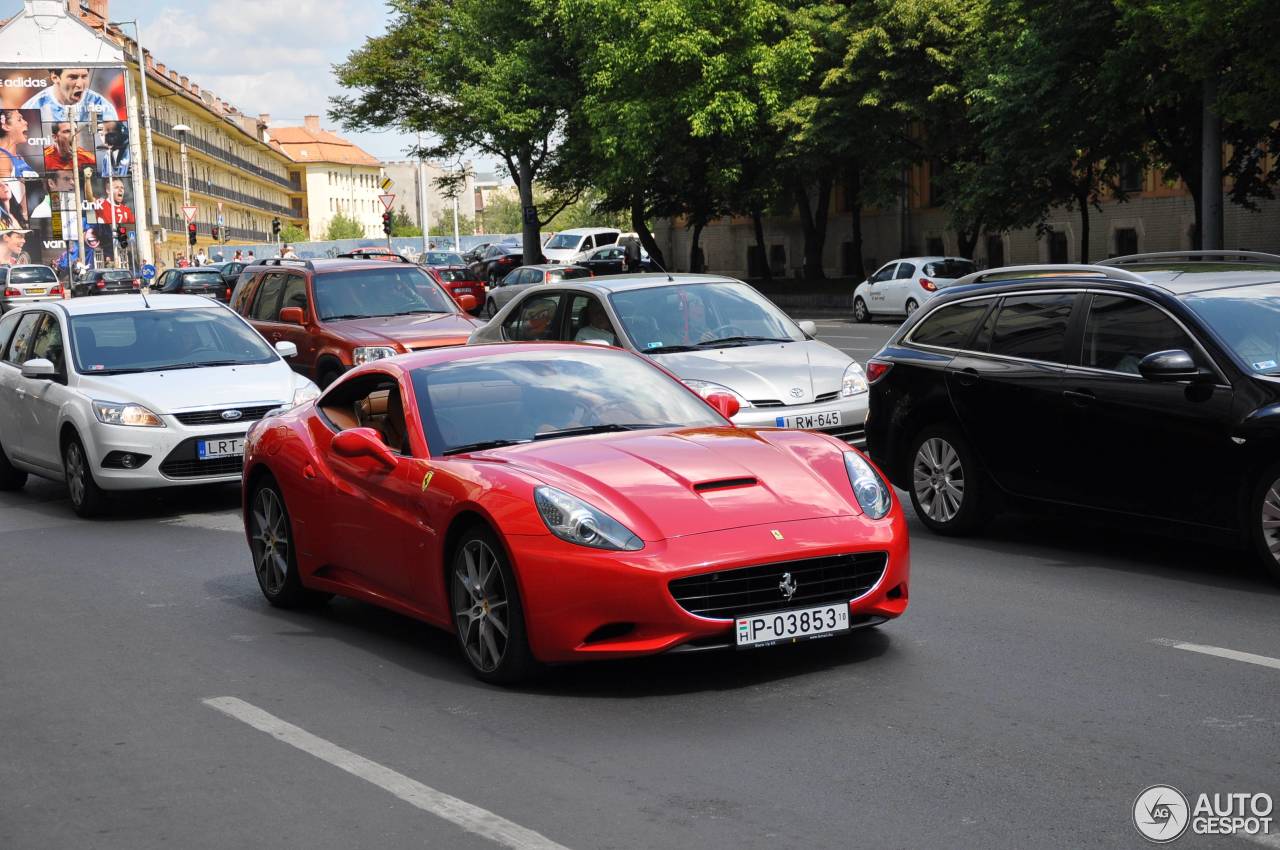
{"x":344,"y":312}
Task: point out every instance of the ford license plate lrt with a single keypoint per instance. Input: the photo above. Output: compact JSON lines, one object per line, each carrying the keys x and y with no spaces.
{"x":215,"y":449}
{"x":821,"y":419}
{"x":792,"y":626}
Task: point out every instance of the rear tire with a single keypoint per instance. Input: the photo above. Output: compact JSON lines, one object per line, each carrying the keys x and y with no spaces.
{"x":488,"y":617}
{"x":1262,"y":519}
{"x":87,"y":498}
{"x":912,"y":306}
{"x":490,"y":309}
{"x":860,"y":312}
{"x":949,"y":491}
{"x":271,"y":543}
{"x":11,"y":478}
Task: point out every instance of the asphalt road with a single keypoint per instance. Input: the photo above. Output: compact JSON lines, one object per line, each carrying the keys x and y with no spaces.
{"x":1033,"y":689}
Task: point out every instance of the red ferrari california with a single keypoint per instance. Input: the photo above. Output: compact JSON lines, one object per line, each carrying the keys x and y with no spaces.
{"x":561,"y":502}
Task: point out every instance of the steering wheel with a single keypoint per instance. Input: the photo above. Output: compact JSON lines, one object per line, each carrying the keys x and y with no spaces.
{"x":721,"y":332}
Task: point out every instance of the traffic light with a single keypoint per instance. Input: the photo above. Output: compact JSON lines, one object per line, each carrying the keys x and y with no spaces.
{"x":122,"y":236}
{"x":215,"y":233}
{"x":275,"y":227}
{"x":386,"y":222}
{"x":191,"y":233}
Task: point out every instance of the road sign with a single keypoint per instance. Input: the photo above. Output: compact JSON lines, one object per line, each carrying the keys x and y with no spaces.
{"x":386,"y":184}
{"x":148,"y":271}
{"x":189,"y":213}
{"x":387,"y":201}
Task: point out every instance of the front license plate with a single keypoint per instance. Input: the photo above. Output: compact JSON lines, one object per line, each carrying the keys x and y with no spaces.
{"x":214,"y":449}
{"x":792,"y":626}
{"x":821,"y":419}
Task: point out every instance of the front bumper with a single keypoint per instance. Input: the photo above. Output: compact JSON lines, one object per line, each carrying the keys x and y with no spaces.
{"x":581,"y":604}
{"x":853,"y":417}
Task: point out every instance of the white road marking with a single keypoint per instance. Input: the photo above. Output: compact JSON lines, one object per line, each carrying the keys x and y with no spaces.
{"x":471,"y":818}
{"x":1220,"y":652}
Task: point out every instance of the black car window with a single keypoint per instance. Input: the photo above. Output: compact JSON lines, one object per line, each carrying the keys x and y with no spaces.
{"x":606,"y":238}
{"x":950,"y":326}
{"x":295,"y":293}
{"x":1033,"y":327}
{"x":7,"y":324}
{"x":884,"y":274}
{"x":532,"y":319}
{"x":265,"y":307}
{"x":21,"y":345}
{"x":244,"y":294}
{"x":905,"y":270}
{"x":33,"y":274}
{"x":47,"y":344}
{"x":1121,"y":331}
{"x":949,"y":269}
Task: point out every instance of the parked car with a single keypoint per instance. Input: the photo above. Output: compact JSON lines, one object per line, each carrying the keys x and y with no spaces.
{"x":568,"y":246}
{"x":107,"y":282}
{"x":344,"y":312}
{"x":473,"y":254}
{"x":518,"y":280}
{"x":612,"y":259}
{"x":900,"y":287}
{"x":640,"y":519}
{"x":27,"y":284}
{"x":374,"y":253}
{"x":196,"y":280}
{"x":496,"y":261}
{"x":441,"y":259}
{"x":230,"y":271}
{"x":118,"y":393}
{"x":1147,"y":387}
{"x":460,"y":281}
{"x":716,"y":334}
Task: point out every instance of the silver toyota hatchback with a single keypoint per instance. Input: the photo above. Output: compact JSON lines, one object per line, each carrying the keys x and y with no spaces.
{"x":714,"y":333}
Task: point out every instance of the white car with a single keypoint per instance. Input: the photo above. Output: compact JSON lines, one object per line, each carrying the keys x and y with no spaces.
{"x":568,"y":245}
{"x":900,"y":287}
{"x":126,"y":392}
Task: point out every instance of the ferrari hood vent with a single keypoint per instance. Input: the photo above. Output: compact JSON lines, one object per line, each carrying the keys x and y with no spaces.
{"x":725,"y":484}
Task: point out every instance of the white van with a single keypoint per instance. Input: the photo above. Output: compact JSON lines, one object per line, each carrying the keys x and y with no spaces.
{"x":568,"y":245}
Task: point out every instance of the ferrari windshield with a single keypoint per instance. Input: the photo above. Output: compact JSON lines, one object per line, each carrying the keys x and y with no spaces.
{"x":155,"y":340}
{"x":1247,"y":319}
{"x":385,"y":291}
{"x":703,"y":315}
{"x":488,"y":401}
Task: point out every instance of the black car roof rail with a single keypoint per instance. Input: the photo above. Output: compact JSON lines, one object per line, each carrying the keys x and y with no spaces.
{"x":282,"y":261}
{"x":1066,"y":269}
{"x":1255,"y":256}
{"x":390,"y":258}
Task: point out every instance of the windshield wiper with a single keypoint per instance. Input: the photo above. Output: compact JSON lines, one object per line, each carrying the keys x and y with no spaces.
{"x":418,"y":312}
{"x":194,"y":365}
{"x":602,"y":429}
{"x":669,"y":349}
{"x":345,"y":316}
{"x":482,"y":445}
{"x":742,"y":340}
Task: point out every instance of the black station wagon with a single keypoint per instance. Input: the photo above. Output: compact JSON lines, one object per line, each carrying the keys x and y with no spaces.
{"x":1148,"y":386}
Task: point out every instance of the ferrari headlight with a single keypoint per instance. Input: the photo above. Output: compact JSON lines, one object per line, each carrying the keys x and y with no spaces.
{"x":121,"y":413}
{"x":706,"y":388}
{"x":868,"y":488}
{"x":305,"y":393}
{"x":854,"y":382}
{"x":369,"y":353}
{"x":572,"y":519}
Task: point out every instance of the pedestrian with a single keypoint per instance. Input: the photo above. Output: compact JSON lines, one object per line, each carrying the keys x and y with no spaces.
{"x":250,"y":258}
{"x":287,"y":253}
{"x":201,"y":258}
{"x":632,"y":248}
{"x":236,"y":257}
{"x":183,"y":262}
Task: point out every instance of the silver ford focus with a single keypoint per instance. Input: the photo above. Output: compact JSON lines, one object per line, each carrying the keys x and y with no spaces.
{"x":715,"y":333}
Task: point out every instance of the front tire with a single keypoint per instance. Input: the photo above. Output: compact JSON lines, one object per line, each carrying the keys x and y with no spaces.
{"x":860,"y":312}
{"x":1262,"y":519}
{"x":490,"y":309}
{"x":271,"y":542}
{"x":948,"y":489}
{"x":87,"y":498}
{"x":488,"y":617}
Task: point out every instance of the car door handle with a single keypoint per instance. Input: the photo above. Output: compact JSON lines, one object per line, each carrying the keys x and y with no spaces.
{"x":1081,"y":398}
{"x":967,"y":377}
{"x":20,"y":392}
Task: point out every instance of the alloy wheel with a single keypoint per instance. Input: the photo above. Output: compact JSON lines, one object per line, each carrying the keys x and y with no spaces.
{"x":860,"y":310}
{"x":938,"y":479}
{"x":1271,"y":520}
{"x":75,"y":472}
{"x":480,"y":604}
{"x":912,"y":307}
{"x":270,"y":541}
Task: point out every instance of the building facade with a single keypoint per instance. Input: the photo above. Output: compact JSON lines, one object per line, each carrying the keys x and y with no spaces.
{"x":408,"y":178}
{"x":339,"y":177}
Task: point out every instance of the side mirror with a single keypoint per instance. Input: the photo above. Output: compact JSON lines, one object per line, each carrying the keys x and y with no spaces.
{"x":286,"y":349}
{"x":725,"y":403}
{"x":810,"y":328}
{"x":39,"y":369}
{"x":293,"y":316}
{"x":363,"y":442}
{"x":1171,"y":366}
{"x":467,"y":302}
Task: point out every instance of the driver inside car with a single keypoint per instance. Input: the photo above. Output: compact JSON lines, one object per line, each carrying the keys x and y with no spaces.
{"x":596,"y":326}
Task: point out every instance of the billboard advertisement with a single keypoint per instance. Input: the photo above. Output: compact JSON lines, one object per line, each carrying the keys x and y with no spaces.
{"x":63,"y":128}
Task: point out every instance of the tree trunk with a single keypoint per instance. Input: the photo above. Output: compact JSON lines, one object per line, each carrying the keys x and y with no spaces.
{"x":757,"y":220}
{"x":968,"y":242}
{"x":1082,"y":199}
{"x":646,"y":237}
{"x":530,"y":233}
{"x":813,"y":221}
{"x":853,"y":194}
{"x":695,"y":253}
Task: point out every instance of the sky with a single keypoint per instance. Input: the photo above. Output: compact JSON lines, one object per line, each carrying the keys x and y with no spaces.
{"x":273,"y":56}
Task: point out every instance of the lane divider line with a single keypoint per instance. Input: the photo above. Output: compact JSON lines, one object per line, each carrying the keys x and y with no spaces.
{"x":472,"y":818}
{"x":1221,"y":652}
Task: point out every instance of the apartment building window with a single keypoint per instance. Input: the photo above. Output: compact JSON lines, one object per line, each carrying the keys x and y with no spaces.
{"x":1131,"y":178}
{"x":995,"y":250}
{"x":936,"y":195}
{"x":1126,"y":241}
{"x":1057,"y":246}
{"x":934,"y":246}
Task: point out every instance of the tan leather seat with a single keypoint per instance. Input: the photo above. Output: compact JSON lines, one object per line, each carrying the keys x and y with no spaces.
{"x":395,"y":433}
{"x":370,"y":407}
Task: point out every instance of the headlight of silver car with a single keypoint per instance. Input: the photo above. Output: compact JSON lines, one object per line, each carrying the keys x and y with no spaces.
{"x":706,"y":388}
{"x":572,"y":519}
{"x":122,"y":413}
{"x":868,"y":488}
{"x":854,"y":382}
{"x":369,"y":353}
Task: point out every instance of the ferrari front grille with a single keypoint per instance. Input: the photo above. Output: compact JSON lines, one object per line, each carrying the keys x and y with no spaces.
{"x":727,"y":594}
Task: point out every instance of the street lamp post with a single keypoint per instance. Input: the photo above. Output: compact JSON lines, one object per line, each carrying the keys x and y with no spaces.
{"x":182,"y":130}
{"x":146,"y":123}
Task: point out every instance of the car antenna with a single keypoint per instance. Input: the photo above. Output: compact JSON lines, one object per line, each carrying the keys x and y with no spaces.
{"x":661,"y":269}
{"x":143,"y":292}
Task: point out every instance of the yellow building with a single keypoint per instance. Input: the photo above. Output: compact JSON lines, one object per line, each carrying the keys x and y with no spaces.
{"x":339,"y":177}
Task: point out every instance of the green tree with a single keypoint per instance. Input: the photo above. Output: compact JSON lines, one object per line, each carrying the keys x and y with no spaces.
{"x":291,"y":234}
{"x":402,"y":225}
{"x":486,"y":76}
{"x":342,"y":226}
{"x":502,"y":213}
